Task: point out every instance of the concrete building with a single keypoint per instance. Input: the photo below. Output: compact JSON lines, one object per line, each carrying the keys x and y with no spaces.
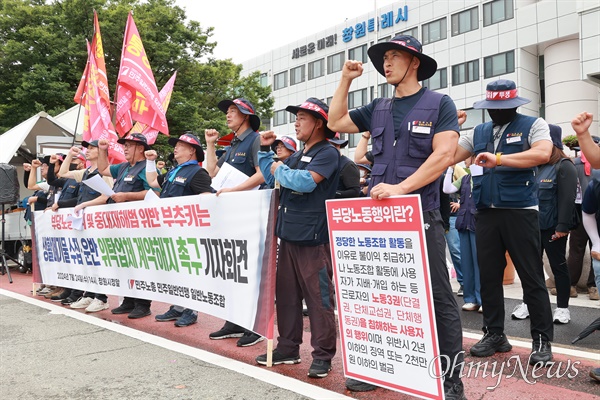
{"x":550,"y":48}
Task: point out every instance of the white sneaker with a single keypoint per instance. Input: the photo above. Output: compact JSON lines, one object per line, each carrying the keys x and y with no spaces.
{"x":562,"y":316}
{"x":470,"y":307}
{"x":97,"y":305}
{"x":83,"y":302}
{"x":520,"y":312}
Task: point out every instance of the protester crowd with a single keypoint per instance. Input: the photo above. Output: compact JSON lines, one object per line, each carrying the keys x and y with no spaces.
{"x":518,"y":193}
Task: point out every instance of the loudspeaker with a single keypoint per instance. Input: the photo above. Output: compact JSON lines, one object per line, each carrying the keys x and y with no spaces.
{"x":9,"y":184}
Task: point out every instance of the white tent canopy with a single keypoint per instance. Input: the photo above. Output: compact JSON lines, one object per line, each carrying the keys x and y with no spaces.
{"x":25,"y":134}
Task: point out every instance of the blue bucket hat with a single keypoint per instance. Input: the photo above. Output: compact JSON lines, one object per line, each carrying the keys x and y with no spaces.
{"x":135,"y":137}
{"x":501,"y":95}
{"x":245,"y":107}
{"x":556,"y":135}
{"x":192,"y":140}
{"x":316,"y":108}
{"x":408,"y":44}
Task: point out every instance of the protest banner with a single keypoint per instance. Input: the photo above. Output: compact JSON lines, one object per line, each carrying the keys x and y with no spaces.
{"x":383,"y":292}
{"x":202,"y":252}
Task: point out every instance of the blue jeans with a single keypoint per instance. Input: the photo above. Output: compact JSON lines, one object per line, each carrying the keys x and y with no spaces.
{"x":470,"y":267}
{"x":596,"y":266}
{"x":453,"y":242}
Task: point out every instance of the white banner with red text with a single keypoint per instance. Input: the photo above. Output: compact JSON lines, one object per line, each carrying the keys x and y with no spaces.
{"x":208,"y":253}
{"x":383,"y":292}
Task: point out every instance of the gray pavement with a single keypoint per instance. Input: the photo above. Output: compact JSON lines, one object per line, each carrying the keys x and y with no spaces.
{"x":51,"y":353}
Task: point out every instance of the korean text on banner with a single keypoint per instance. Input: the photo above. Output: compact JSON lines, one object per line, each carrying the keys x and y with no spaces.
{"x":200,"y":252}
{"x":137,"y":95}
{"x":385,"y":303}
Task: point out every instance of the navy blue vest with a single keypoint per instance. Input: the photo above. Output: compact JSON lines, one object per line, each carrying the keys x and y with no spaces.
{"x":180,"y":185}
{"x":505,"y":187}
{"x":86,"y":193}
{"x":129,"y":178}
{"x":242,"y":154}
{"x":301,"y":217}
{"x":465,"y":218}
{"x":395,"y":160}
{"x":70,"y":190}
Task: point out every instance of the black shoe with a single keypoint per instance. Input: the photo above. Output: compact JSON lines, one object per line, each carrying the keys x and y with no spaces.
{"x":541,"y":352}
{"x":170,"y":315}
{"x":68,"y":301}
{"x":319,"y":368}
{"x":455,"y":392}
{"x":139,"y":312}
{"x":64,"y":295}
{"x":278,"y":359}
{"x":124,"y":308}
{"x":249,"y":339}
{"x":225,"y":333}
{"x":490,"y":344}
{"x":460,"y":291}
{"x":358,"y":386}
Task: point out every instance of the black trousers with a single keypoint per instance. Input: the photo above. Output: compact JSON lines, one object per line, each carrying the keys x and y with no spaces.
{"x":516,"y":230}
{"x":556,"y":250}
{"x":447,"y":314}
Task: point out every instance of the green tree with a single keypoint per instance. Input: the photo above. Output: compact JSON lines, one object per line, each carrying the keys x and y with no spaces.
{"x":43,"y":54}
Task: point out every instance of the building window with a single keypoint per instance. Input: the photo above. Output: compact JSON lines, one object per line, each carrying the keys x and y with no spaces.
{"x":280,"y":117}
{"x":292,"y":118}
{"x":497,"y":11}
{"x":280,"y":80}
{"x":357,"y":98}
{"x":264,"y":80}
{"x":474,"y":118}
{"x":359,"y":54}
{"x":499,"y":64}
{"x":385,"y":90}
{"x":414,"y":32}
{"x":438,"y":81}
{"x":353,"y":139}
{"x":465,"y":21}
{"x":335,"y":62}
{"x":384,"y":39}
{"x":316,"y":69}
{"x":434,"y":31}
{"x":466,"y":72}
{"x":328,"y":100}
{"x":297,"y":75}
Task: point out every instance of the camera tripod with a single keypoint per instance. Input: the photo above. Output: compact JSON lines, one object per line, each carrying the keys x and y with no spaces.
{"x":3,"y":255}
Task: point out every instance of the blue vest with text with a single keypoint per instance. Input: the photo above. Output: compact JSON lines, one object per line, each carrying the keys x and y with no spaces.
{"x":70,"y":190}
{"x":180,"y":184}
{"x":242,"y":154}
{"x":395,"y":160}
{"x":505,"y":187}
{"x":465,"y":218}
{"x":301,"y":217}
{"x":129,"y":178}
{"x":86,"y":193}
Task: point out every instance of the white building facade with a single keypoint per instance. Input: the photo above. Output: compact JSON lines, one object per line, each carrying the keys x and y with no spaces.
{"x":550,"y":48}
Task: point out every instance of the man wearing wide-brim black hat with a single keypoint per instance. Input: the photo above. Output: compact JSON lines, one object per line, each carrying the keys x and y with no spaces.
{"x":509,"y":148}
{"x":414,"y":136}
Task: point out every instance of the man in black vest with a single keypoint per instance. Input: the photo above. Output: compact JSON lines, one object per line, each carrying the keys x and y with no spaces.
{"x":410,"y":158}
{"x":349,"y":182}
{"x":187,"y":178}
{"x":130,"y":185}
{"x":510,"y":148}
{"x":242,"y":155}
{"x":304,"y":271}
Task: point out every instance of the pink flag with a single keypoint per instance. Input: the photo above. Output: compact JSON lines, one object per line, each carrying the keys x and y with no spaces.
{"x":165,"y":98}
{"x":135,"y":75}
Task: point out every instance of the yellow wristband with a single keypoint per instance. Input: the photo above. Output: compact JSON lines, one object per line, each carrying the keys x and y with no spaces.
{"x":498,"y":162}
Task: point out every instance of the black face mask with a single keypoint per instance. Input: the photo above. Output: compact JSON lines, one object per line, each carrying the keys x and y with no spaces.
{"x":502,"y":117}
